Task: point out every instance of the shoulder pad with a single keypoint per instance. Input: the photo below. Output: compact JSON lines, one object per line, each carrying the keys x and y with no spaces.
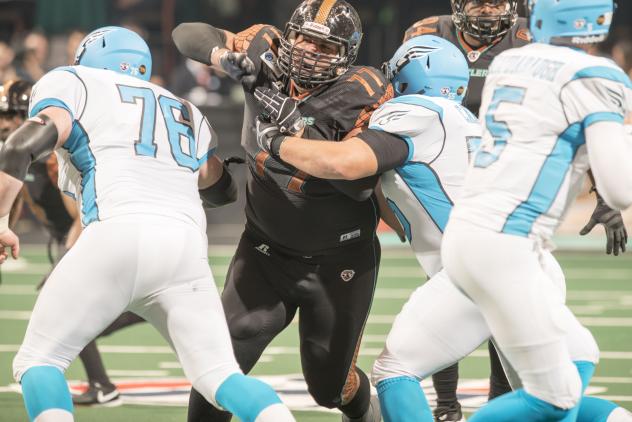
{"x":425,"y":26}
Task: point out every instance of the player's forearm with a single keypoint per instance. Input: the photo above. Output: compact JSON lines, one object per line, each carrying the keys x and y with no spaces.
{"x":197,"y":40}
{"x":347,"y":160}
{"x":609,"y":149}
{"x":9,"y":189}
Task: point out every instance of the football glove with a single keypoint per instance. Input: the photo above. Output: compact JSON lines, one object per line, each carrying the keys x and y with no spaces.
{"x":269,"y":137}
{"x":238,"y":66}
{"x":281,"y":109}
{"x":612,"y":222}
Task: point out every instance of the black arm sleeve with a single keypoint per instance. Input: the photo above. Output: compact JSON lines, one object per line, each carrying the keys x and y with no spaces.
{"x":33,"y":140}
{"x":391,"y":150}
{"x":359,"y":190}
{"x":196,"y":40}
{"x":223,"y":192}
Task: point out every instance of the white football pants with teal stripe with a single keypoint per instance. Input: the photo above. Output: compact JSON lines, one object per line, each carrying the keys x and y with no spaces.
{"x":156,"y":267}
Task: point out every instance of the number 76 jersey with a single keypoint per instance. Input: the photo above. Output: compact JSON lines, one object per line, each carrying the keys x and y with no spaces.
{"x":537,"y":102}
{"x":134,"y":147}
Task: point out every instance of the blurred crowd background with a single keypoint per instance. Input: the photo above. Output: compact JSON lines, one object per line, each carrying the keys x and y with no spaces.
{"x":39,"y":35}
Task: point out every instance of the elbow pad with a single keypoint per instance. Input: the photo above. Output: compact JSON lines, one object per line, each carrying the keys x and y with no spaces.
{"x":36,"y":138}
{"x":223,"y":192}
{"x":196,"y":40}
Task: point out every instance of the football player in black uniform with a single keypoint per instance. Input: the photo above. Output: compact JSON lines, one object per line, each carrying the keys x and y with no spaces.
{"x":309,"y":244}
{"x":59,"y":214}
{"x":483,"y":29}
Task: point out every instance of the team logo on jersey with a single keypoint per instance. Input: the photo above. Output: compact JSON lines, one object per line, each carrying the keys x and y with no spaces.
{"x":264,"y":249}
{"x":347,"y":275}
{"x":473,"y":55}
{"x":391,"y":117}
{"x":309,"y":121}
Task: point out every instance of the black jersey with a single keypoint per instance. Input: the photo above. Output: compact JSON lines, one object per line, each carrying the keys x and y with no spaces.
{"x":478,"y":59}
{"x":44,"y":199}
{"x":300,"y":214}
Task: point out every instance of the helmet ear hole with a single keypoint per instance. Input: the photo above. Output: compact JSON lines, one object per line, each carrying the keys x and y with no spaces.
{"x":402,"y":87}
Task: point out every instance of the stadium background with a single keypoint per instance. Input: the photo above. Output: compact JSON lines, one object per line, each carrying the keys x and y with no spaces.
{"x":37,"y":35}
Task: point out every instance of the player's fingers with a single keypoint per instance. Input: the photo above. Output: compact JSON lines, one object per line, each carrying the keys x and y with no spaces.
{"x":588,"y":227}
{"x":15,"y":250}
{"x":609,"y":241}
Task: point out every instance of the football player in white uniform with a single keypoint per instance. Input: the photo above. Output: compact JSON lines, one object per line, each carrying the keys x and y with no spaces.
{"x":138,"y":159}
{"x":550,"y":112}
{"x":439,"y":325}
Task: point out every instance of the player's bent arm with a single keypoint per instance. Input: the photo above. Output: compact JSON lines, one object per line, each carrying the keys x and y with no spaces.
{"x":348,"y":160}
{"x":609,"y":149}
{"x":34,"y":139}
{"x":216,"y":184}
{"x":197,"y":40}
{"x":369,"y":153}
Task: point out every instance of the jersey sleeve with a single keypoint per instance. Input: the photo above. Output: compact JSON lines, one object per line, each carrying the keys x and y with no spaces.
{"x":261,"y":44}
{"x":61,"y":87}
{"x":205,"y":136}
{"x":407,"y":117}
{"x":599,"y":93}
{"x":356,"y":96}
{"x":425,"y":26}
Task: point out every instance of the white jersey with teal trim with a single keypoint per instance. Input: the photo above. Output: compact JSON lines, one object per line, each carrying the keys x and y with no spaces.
{"x":537,"y":101}
{"x":421,"y":192}
{"x":134,"y":148}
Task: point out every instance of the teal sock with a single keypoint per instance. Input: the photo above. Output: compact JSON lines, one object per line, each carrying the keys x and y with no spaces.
{"x":245,"y":397}
{"x":518,"y":406}
{"x":45,"y":388}
{"x":593,"y":409}
{"x":403,"y":400}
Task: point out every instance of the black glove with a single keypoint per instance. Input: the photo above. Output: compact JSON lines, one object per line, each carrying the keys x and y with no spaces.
{"x":281,"y":109}
{"x":269,"y":137}
{"x":613,"y":224}
{"x":238,"y":66}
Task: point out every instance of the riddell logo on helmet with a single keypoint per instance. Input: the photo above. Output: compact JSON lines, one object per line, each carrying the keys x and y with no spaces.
{"x":591,"y":39}
{"x":316,"y":27}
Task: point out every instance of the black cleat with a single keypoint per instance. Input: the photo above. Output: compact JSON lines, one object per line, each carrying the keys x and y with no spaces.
{"x":451,"y":413}
{"x":98,"y":395}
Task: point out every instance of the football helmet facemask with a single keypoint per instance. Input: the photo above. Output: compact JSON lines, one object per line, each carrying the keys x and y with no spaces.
{"x":484,"y":27}
{"x":326,"y":23}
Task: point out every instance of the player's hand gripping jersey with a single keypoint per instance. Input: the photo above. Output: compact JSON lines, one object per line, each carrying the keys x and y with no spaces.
{"x":146,"y":164}
{"x":302,"y":214}
{"x":479,"y":59}
{"x":422,"y":191}
{"x":537,"y":102}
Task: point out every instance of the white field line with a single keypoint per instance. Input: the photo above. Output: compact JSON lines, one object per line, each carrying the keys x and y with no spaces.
{"x":137,"y":373}
{"x":383,"y":319}
{"x":276,"y":351}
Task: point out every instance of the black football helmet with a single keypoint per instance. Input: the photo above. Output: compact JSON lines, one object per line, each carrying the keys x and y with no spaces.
{"x":14,"y":97}
{"x":332,"y":21}
{"x":485,"y":28}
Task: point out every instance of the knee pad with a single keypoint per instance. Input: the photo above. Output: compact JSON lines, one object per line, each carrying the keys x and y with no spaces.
{"x":387,"y":366}
{"x":561,"y":387}
{"x":25,"y":360}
